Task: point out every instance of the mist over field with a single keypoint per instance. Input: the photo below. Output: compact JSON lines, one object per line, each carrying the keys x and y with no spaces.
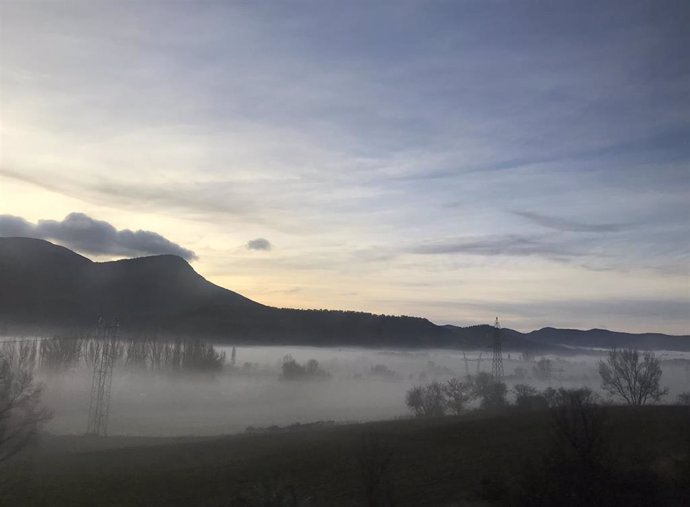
{"x":359,"y":385}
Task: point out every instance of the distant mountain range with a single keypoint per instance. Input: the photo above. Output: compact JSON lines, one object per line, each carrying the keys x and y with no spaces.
{"x":46,"y":288}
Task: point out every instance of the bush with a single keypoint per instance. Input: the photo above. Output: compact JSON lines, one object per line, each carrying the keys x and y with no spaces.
{"x":543,"y":369}
{"x":292,"y":370}
{"x":684,"y":398}
{"x":427,"y":400}
{"x":458,"y":394}
{"x":528,"y":398}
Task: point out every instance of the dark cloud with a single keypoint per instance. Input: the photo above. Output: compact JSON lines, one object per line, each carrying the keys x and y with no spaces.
{"x":259,"y":244}
{"x":565,"y":225}
{"x":14,"y":226}
{"x":511,"y":245}
{"x":83,"y":233}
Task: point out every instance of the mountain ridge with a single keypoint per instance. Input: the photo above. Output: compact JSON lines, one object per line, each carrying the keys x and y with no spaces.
{"x":45,"y":286}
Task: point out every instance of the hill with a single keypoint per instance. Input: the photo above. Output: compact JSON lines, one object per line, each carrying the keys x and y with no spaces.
{"x":46,"y":287}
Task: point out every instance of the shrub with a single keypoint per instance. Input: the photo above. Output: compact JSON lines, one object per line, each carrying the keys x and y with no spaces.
{"x":458,"y":394}
{"x":292,"y":370}
{"x":684,"y":398}
{"x":528,"y":398}
{"x":427,"y":400}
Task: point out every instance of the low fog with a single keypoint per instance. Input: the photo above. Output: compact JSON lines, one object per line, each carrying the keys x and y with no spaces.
{"x":347,"y":385}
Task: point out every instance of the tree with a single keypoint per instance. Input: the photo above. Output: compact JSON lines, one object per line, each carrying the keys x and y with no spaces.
{"x":413,"y":399}
{"x":20,"y":413}
{"x":492,"y":394}
{"x":631,"y":376}
{"x":427,"y":400}
{"x":457,"y":393}
{"x":434,"y":400}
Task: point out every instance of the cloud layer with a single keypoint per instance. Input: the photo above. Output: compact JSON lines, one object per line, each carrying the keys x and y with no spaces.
{"x":83,"y":233}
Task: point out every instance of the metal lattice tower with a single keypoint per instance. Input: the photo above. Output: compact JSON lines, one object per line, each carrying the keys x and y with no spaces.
{"x":104,"y":360}
{"x":497,"y":361}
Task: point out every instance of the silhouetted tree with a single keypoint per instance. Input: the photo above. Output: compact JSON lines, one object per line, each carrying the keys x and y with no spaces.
{"x":413,"y":399}
{"x":20,"y":413}
{"x":458,"y":394}
{"x":492,"y":394}
{"x":433,"y":400}
{"x":427,"y":400}
{"x":633,"y":377}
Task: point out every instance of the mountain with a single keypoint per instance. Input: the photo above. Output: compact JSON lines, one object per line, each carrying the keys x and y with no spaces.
{"x":46,"y":287}
{"x":603,"y":338}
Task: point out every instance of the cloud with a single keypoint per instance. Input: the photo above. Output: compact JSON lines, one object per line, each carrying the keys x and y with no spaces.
{"x":510,"y":245}
{"x":83,"y":233}
{"x":259,"y":244}
{"x":14,"y":226}
{"x":565,"y":225}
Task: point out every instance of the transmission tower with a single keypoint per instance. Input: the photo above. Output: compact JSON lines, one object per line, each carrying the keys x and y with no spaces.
{"x":104,"y":360}
{"x":497,"y":362}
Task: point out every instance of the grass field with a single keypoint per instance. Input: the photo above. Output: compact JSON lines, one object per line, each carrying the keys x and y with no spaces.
{"x":441,"y":461}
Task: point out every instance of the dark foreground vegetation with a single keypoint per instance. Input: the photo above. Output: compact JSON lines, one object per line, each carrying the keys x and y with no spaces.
{"x":633,"y":456}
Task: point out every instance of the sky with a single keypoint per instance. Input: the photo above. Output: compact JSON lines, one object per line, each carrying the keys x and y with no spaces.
{"x":452,"y":160}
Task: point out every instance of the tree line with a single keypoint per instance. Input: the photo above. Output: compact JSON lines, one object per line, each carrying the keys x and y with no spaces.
{"x":64,"y":353}
{"x":627,"y":375}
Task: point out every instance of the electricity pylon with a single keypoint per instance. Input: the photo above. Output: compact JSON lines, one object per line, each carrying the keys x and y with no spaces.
{"x":497,"y":361}
{"x":99,"y":406}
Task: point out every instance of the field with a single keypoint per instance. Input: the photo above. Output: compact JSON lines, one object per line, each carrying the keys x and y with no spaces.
{"x":437,"y":461}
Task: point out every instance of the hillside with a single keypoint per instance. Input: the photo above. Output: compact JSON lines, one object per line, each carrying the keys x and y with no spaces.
{"x":45,"y":288}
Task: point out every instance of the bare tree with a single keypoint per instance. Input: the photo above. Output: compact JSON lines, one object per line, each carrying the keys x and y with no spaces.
{"x":631,"y":376}
{"x":20,"y":413}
